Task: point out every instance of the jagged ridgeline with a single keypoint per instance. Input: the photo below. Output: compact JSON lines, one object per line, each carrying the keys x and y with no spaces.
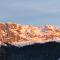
{"x":22,"y":35}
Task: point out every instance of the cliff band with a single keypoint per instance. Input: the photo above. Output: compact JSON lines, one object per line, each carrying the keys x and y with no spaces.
{"x":21,"y":35}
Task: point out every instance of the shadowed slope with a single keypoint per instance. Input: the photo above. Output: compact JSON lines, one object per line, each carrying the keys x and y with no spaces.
{"x":47,"y":51}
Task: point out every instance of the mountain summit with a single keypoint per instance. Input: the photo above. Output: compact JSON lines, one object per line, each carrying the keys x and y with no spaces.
{"x":21,"y":35}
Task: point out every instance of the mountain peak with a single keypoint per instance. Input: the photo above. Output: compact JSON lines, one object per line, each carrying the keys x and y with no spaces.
{"x":21,"y":35}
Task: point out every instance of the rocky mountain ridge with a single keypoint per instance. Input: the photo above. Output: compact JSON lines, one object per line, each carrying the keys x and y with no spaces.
{"x":21,"y":35}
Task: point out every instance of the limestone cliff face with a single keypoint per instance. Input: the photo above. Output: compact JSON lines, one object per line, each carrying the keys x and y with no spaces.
{"x":21,"y":35}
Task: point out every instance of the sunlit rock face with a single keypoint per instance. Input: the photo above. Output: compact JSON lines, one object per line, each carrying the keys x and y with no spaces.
{"x":21,"y":35}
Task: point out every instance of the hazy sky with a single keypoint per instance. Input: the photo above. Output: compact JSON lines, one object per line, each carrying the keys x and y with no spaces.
{"x":35,"y":12}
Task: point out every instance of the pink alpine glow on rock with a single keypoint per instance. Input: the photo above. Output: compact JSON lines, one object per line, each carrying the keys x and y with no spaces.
{"x":21,"y":35}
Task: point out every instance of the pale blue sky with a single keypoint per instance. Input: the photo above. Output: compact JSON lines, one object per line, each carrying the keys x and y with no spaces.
{"x":35,"y":12}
